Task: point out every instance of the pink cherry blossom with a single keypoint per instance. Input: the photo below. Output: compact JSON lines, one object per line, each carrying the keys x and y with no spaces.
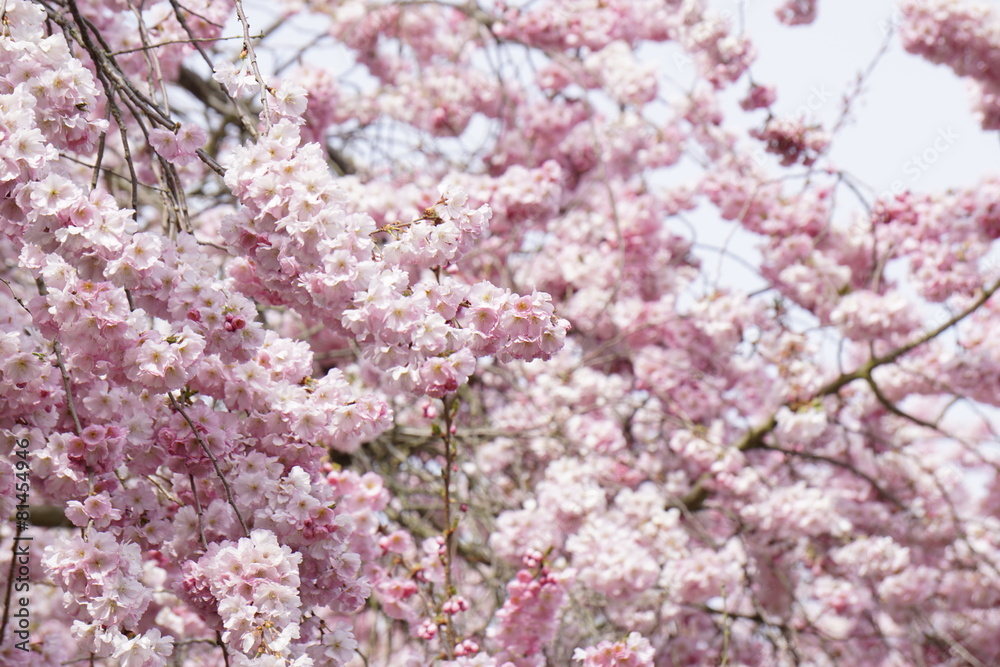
{"x":393,"y":334}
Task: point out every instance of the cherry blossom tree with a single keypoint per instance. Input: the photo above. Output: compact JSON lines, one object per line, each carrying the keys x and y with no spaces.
{"x":394,"y":347}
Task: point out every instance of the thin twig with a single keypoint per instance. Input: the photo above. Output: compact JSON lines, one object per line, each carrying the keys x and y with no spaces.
{"x":67,"y":387}
{"x":449,"y":532}
{"x":218,"y":471}
{"x":248,"y":48}
{"x":197,"y":506}
{"x":754,"y":438}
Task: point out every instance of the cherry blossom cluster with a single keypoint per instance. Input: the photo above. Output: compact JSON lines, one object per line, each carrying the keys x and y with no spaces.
{"x":103,"y":586}
{"x":963,"y":36}
{"x":528,"y":620}
{"x":302,"y":248}
{"x":35,"y":121}
{"x":759,"y":97}
{"x":253,"y":587}
{"x":136,"y":315}
{"x":415,"y":358}
{"x":945,"y":260}
{"x":23,"y":373}
{"x":178,"y":146}
{"x":797,"y":12}
{"x":792,"y":141}
{"x":633,"y":651}
{"x":567,"y":25}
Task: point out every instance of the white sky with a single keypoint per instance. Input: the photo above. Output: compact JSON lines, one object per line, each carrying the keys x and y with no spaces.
{"x":908,"y":100}
{"x":906,"y":103}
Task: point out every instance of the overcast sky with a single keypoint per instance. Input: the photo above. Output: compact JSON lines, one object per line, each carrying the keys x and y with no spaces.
{"x":912,"y":126}
{"x":906,"y":106}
